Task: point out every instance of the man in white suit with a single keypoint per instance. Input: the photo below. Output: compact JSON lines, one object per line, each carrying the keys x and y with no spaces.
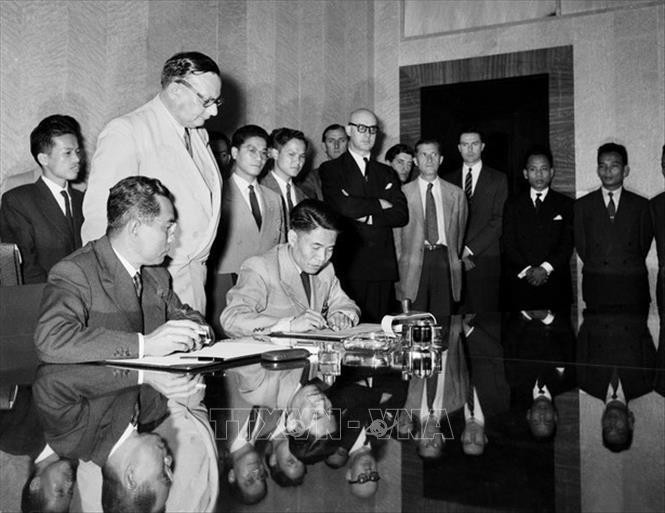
{"x":428,"y":248}
{"x":165,"y":139}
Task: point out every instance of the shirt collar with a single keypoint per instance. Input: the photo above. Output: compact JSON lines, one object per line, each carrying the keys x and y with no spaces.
{"x":424,"y":183}
{"x":54,"y":187}
{"x":129,"y":430}
{"x":475,"y":168}
{"x":242,"y":183}
{"x":360,"y":159}
{"x":545,"y":391}
{"x":615,"y":194}
{"x":282,"y":183}
{"x":125,"y":263}
{"x":543,"y":193}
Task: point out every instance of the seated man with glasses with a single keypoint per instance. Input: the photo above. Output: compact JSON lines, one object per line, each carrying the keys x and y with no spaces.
{"x":165,"y":139}
{"x":362,"y":474}
{"x":252,"y":217}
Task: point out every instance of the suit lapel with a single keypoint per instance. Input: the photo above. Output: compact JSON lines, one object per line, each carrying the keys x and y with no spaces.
{"x":119,"y":285}
{"x":448,"y":202}
{"x":52,"y":210}
{"x":290,"y":278}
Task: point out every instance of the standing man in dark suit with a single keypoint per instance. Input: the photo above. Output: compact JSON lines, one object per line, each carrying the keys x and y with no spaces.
{"x":486,"y":191}
{"x":538,"y":240}
{"x":613,"y":233}
{"x":44,"y":218}
{"x":288,"y":150}
{"x":658,"y":218}
{"x":112,"y":298}
{"x":368,"y":195}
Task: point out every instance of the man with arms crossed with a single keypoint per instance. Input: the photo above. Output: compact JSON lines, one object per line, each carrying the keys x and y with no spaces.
{"x":165,"y":139}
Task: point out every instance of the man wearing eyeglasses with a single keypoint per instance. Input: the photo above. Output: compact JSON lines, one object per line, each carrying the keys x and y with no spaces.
{"x":367,"y":193}
{"x":165,"y":139}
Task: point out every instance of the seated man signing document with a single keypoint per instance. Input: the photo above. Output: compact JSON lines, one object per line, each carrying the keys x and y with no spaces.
{"x":293,"y":286}
{"x":112,"y":298}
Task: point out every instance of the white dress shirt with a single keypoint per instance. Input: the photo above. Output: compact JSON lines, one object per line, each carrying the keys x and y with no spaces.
{"x":282,"y":187}
{"x":475,"y":173}
{"x":243,"y":185}
{"x":616,"y":195}
{"x":56,"y":190}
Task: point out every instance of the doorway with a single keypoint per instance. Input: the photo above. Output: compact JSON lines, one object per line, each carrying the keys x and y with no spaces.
{"x":512,"y":113}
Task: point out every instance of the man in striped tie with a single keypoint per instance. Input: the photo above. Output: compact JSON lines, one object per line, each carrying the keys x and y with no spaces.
{"x":486,"y":190}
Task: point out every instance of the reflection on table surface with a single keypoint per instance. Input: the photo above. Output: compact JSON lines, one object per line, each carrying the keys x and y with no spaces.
{"x":519,"y":411}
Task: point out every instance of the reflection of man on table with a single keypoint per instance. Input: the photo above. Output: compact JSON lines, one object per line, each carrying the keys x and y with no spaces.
{"x":293,"y":286}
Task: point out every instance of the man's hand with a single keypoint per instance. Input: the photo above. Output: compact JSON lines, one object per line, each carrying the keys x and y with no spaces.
{"x":536,"y":276}
{"x":172,"y":385}
{"x":307,"y":321}
{"x":339,"y":321}
{"x":180,"y":335}
{"x":385,"y":204}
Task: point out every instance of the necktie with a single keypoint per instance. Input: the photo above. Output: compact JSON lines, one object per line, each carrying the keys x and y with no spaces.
{"x":611,"y":207}
{"x":68,"y":210}
{"x":254,"y":204}
{"x":138,"y":284}
{"x":468,"y":185}
{"x":366,"y":164}
{"x":304,"y":277}
{"x":614,"y":382}
{"x":289,"y":202}
{"x":431,"y":224}
{"x":188,"y":142}
{"x":538,"y":202}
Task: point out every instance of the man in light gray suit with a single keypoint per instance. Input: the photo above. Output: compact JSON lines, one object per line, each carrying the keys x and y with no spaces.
{"x":165,"y":139}
{"x":252,"y":217}
{"x":429,"y":247}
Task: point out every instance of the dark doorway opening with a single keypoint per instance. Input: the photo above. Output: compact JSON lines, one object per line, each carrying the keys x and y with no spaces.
{"x":513,"y":114}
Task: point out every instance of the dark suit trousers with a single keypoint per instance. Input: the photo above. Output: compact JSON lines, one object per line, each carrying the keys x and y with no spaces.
{"x":374,"y":298}
{"x":434,"y":287}
{"x":480,"y":293}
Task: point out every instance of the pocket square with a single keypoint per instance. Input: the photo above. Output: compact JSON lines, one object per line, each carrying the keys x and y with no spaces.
{"x":558,"y":218}
{"x":388,"y":186}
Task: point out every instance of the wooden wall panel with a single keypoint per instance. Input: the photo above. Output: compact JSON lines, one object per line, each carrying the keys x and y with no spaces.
{"x":557,"y":62}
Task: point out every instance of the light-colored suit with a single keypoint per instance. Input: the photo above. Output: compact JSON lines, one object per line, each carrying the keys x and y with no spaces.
{"x":410,"y":239}
{"x":269,"y":289}
{"x":149,"y":142}
{"x":239,"y":238}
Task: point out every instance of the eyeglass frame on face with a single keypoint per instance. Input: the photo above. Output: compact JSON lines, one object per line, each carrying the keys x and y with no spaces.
{"x":365,"y":477}
{"x":206,"y":102}
{"x":263,"y":155}
{"x":364,"y":128}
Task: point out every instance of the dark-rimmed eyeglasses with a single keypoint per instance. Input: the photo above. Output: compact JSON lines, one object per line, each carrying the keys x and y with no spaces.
{"x":206,"y":102}
{"x":364,"y":128}
{"x":363,"y":478}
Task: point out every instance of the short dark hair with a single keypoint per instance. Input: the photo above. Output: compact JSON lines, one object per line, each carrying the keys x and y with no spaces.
{"x":279,"y":476}
{"x":541,"y":151}
{"x":470,"y":129}
{"x":310,"y":214}
{"x":334,"y":126}
{"x":219,"y":136}
{"x":617,"y":440}
{"x":429,"y":140}
{"x":395,"y":150}
{"x":134,"y":197}
{"x":246,"y":132}
{"x":187,"y":63}
{"x":619,"y":149}
{"x":280,"y":136}
{"x":41,"y":138}
{"x":116,"y":498}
